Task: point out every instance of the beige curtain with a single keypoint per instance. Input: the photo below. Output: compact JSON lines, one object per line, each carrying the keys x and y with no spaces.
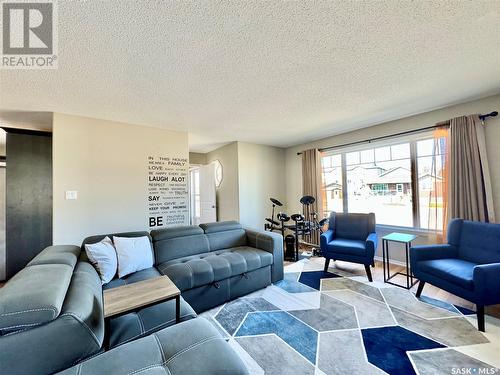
{"x":469,"y":188}
{"x":312,"y":184}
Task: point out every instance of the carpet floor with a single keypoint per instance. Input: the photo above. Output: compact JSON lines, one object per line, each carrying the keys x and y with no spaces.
{"x":314,"y":322}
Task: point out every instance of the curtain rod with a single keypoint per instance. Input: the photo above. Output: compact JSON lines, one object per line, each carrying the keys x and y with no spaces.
{"x":438,"y":125}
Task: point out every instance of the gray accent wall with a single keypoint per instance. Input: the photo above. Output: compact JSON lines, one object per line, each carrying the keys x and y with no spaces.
{"x":2,"y":224}
{"x":28,"y":197}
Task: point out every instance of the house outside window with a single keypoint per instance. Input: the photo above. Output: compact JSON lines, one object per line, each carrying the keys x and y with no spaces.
{"x":381,"y":180}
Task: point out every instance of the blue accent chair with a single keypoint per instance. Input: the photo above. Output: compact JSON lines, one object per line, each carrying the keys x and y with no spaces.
{"x":467,"y":266}
{"x":352,"y":238}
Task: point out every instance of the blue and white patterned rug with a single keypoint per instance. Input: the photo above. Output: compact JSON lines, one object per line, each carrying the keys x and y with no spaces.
{"x":314,"y":322}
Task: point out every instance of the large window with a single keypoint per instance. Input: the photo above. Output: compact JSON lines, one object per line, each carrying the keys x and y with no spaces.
{"x":379,"y":180}
{"x":382,"y":179}
{"x":431,"y":162}
{"x":332,"y":182}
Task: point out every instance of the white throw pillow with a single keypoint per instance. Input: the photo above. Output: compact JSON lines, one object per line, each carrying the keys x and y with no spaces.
{"x":134,"y":254}
{"x":103,"y":256}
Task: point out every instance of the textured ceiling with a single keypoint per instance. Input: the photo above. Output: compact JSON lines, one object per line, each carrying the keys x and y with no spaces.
{"x":278,"y":73}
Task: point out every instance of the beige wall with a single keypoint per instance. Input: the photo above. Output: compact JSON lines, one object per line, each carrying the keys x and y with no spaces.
{"x":227,"y":193}
{"x":486,"y":105}
{"x":197,"y":158}
{"x":106,"y":162}
{"x":261,"y":175}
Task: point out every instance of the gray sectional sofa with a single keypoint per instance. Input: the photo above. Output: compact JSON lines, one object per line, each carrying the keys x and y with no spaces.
{"x":217,"y":262}
{"x":51,"y":312}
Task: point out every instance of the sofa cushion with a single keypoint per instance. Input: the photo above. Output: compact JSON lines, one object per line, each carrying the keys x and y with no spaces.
{"x":193,"y":347}
{"x":254,"y":258}
{"x":220,"y":226}
{"x":138,"y":324}
{"x":176,"y":242}
{"x":351,"y":247}
{"x":352,"y":226}
{"x":227,"y":239}
{"x":60,"y":254}
{"x":455,"y":271}
{"x":479,"y":242}
{"x":34,"y":296}
{"x":146,"y":274}
{"x":224,"y":235}
{"x":76,"y":334}
{"x":84,"y":303}
{"x":145,"y":321}
{"x":193,"y":271}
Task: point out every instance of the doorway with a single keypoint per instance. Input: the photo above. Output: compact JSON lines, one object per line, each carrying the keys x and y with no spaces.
{"x":202,"y":194}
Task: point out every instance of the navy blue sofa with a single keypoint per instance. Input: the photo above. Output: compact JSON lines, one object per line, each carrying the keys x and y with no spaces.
{"x":467,"y":266}
{"x":352,"y":238}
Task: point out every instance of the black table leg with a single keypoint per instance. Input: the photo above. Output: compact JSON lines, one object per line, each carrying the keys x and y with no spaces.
{"x":409,"y":266}
{"x":178,"y":309}
{"x":107,"y":334}
{"x":407,"y":270}
{"x":383,"y":259}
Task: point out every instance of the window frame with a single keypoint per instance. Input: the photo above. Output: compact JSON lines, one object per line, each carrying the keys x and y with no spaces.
{"x":412,"y":140}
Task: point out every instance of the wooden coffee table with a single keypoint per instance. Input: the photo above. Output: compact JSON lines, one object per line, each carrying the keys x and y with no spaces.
{"x":133,"y":297}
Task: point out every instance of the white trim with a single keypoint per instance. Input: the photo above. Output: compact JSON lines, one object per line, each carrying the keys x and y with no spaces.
{"x":413,"y":230}
{"x":395,"y":140}
{"x":391,"y":261}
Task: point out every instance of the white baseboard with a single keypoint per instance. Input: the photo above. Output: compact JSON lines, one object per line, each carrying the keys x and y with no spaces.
{"x":392,"y":261}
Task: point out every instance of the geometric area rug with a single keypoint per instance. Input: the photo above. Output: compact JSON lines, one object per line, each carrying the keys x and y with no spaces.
{"x":315,"y":322}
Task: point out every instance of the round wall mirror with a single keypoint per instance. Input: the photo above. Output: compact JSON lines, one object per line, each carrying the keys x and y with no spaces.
{"x":218,"y":173}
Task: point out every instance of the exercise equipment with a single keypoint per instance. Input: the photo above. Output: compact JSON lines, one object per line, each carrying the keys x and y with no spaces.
{"x":271,"y":223}
{"x":304,"y":225}
{"x":290,"y":247}
{"x":283,"y":218}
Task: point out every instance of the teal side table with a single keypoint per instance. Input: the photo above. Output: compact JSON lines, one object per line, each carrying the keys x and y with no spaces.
{"x":399,"y":238}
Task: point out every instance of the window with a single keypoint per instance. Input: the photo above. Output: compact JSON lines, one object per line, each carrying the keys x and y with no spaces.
{"x":431,"y":161}
{"x":381,"y":180}
{"x":332,"y":183}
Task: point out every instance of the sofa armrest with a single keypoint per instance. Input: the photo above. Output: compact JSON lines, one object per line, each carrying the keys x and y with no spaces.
{"x":431,"y":252}
{"x":325,"y":239}
{"x":371,"y":244}
{"x":272,"y":243}
{"x":487,"y":283}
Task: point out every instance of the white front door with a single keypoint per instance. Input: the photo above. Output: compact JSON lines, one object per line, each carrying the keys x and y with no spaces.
{"x":208,"y":212}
